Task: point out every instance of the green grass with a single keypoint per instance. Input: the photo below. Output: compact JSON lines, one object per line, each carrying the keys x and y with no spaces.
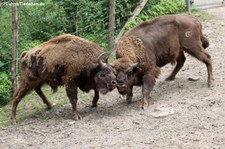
{"x":202,"y":15}
{"x":31,"y":105}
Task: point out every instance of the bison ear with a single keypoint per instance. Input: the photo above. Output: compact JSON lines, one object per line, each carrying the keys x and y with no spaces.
{"x":100,"y":59}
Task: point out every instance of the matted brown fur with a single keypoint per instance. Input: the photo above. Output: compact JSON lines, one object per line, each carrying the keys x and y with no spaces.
{"x":131,"y":47}
{"x":77,"y":55}
{"x":65,"y":60}
{"x":156,"y":43}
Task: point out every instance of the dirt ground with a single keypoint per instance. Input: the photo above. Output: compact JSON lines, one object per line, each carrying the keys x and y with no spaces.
{"x":183,"y":114}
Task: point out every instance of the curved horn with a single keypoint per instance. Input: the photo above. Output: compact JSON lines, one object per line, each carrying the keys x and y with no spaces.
{"x":135,"y":65}
{"x":107,"y":60}
{"x":99,"y":59}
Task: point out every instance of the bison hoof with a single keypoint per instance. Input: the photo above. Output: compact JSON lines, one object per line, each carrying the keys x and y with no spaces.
{"x":94,"y":105}
{"x":210,"y":84}
{"x":49,"y":108}
{"x":13,"y":122}
{"x":170,"y":78}
{"x":144,"y":106}
{"x":77,"y":117}
{"x":129,"y":99}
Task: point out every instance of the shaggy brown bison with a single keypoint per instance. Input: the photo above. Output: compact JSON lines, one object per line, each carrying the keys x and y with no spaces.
{"x":65,"y":60}
{"x":153,"y":44}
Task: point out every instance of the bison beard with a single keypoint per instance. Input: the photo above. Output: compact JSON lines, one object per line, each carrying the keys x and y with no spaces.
{"x":65,"y":60}
{"x":153,"y":44}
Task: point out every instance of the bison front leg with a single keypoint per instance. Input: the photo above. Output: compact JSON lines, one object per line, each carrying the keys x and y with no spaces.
{"x":71,"y":90}
{"x":148,"y":83}
{"x":129,"y":94}
{"x":95,"y":99}
{"x":180,"y":62}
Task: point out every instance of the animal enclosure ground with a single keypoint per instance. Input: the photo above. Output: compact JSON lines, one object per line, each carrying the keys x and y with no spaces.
{"x":183,"y":114}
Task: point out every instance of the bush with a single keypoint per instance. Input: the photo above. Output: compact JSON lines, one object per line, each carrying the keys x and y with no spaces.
{"x":5,"y":88}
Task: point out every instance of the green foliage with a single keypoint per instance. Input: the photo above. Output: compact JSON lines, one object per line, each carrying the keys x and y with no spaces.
{"x":156,"y":8}
{"x":32,"y":105}
{"x":42,"y":23}
{"x":5,"y":39}
{"x":5,"y":88}
{"x":124,"y":10}
{"x":99,"y":40}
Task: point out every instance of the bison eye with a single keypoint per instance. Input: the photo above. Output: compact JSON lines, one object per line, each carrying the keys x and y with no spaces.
{"x":129,"y":74}
{"x":115,"y":73}
{"x":102,"y":75}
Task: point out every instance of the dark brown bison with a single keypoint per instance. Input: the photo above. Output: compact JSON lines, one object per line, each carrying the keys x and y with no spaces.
{"x":65,"y":60}
{"x":152,"y":44}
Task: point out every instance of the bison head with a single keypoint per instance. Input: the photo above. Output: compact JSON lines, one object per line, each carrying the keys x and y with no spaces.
{"x":105,"y":77}
{"x":126,"y":74}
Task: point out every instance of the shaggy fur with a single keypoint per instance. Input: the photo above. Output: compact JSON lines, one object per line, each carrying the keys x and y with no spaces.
{"x":156,"y":43}
{"x":64,"y":60}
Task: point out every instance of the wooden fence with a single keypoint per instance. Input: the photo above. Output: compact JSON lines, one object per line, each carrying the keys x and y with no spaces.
{"x":203,"y":4}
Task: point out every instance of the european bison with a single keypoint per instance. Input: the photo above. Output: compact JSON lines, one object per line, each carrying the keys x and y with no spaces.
{"x":65,"y":60}
{"x":153,"y":44}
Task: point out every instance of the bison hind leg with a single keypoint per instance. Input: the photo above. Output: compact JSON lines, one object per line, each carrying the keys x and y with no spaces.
{"x":43,"y":97}
{"x":199,"y":53}
{"x":17,"y":97}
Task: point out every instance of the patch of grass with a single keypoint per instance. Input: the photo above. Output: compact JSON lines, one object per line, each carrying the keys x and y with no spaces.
{"x":202,"y":15}
{"x":31,"y":105}
{"x":5,"y":115}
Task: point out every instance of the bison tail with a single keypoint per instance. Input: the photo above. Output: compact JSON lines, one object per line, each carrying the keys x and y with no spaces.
{"x":205,"y":41}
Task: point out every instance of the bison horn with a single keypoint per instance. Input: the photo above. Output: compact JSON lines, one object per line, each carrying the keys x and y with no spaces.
{"x":135,"y":65}
{"x":107,"y":59}
{"x":100,"y":59}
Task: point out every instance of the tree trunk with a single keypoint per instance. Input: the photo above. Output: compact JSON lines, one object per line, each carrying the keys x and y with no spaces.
{"x":14,"y":69}
{"x":111,"y":24}
{"x":136,"y":12}
{"x":76,"y":21}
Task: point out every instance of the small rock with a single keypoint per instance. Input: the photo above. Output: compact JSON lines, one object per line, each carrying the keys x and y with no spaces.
{"x":72,"y":122}
{"x":161,"y":112}
{"x":193,"y":78}
{"x":137,"y":123}
{"x":122,"y":96}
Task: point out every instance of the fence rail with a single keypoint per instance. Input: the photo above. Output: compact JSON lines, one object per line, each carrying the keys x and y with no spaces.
{"x":203,"y":4}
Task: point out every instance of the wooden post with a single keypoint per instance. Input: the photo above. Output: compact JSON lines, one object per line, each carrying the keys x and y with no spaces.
{"x":76,"y":21}
{"x":188,"y":6}
{"x":111,"y":24}
{"x":14,"y":69}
